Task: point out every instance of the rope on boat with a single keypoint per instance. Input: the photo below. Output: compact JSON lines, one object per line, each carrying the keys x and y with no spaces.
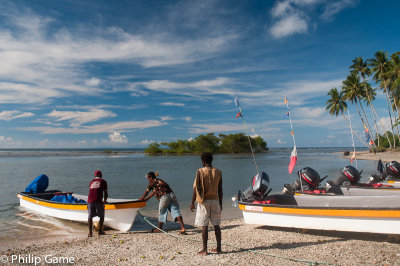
{"x":309,"y":262}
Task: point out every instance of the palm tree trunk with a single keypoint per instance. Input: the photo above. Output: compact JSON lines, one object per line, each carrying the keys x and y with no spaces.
{"x":398,"y":113}
{"x":348,"y":124}
{"x":380,"y":121}
{"x":390,"y":115}
{"x":358,"y":110}
{"x":366,"y":120}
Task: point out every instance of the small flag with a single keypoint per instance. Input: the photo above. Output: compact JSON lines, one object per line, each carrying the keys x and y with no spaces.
{"x":366,"y":129}
{"x":239,"y":115}
{"x":285,"y":99}
{"x":293,"y":160}
{"x":353,"y":157}
{"x":371,"y":143}
{"x":292,"y":133}
{"x":286,"y":115}
{"x":236,"y":101}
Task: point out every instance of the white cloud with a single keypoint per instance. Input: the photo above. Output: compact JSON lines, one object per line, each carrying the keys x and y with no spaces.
{"x":334,"y":7}
{"x":52,"y":60}
{"x":5,"y":139}
{"x":172,"y":104}
{"x":187,"y":118}
{"x":78,"y":118}
{"x":279,"y":141}
{"x":122,"y":126}
{"x":11,"y":115}
{"x":289,"y":26}
{"x":294,"y":16}
{"x":93,"y":82}
{"x":146,"y":142}
{"x":117,"y":137}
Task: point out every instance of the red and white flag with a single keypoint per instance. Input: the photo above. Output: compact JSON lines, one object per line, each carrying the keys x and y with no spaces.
{"x":293,"y":160}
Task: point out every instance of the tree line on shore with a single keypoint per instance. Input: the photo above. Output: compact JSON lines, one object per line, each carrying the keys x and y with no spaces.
{"x":232,"y":143}
{"x":357,"y":90}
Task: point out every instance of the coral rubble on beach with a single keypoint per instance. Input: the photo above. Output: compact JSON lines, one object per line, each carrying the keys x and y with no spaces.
{"x":242,"y":244}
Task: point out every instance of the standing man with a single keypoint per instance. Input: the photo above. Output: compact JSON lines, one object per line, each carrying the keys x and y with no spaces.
{"x":167,"y":199}
{"x":97,"y":187}
{"x":207,"y":192}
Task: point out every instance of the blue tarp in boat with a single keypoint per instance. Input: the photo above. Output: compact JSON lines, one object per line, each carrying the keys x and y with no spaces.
{"x":39,"y":185}
{"x":66,"y":199}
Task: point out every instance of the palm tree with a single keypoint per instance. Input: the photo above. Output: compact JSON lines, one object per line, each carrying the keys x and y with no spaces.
{"x":353,"y":92}
{"x":336,"y":105}
{"x":360,"y":67}
{"x":379,"y":66}
{"x":369,"y":96}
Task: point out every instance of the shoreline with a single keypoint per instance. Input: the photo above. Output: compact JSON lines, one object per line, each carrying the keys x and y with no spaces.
{"x":386,"y":156}
{"x":241,"y":243}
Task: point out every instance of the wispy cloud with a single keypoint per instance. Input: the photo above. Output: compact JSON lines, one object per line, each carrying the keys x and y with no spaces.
{"x":78,"y":118}
{"x":47,"y":62}
{"x":11,"y":115}
{"x":207,"y":128}
{"x":296,"y":16}
{"x":172,"y":104}
{"x":123,"y":126}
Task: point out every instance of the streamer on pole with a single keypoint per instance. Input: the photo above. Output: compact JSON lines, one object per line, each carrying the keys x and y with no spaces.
{"x":293,"y":155}
{"x":353,"y":157}
{"x":240,"y":114}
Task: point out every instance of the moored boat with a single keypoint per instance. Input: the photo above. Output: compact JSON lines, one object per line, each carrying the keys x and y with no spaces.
{"x":373,"y":214}
{"x":119,"y":213}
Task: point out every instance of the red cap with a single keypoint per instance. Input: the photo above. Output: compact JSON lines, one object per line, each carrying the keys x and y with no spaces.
{"x":98,"y":173}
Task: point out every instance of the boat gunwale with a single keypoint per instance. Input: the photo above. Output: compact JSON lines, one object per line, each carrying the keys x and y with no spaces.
{"x":315,"y":208}
{"x":29,"y":195}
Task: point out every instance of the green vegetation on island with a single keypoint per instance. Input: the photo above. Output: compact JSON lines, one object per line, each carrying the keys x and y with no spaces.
{"x":358,"y":91}
{"x":232,"y":143}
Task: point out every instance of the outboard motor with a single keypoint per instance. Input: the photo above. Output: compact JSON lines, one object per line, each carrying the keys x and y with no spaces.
{"x":259,"y":189}
{"x":308,"y":180}
{"x":349,"y":175}
{"x":392,"y":170}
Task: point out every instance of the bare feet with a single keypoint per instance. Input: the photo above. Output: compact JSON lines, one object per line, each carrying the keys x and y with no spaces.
{"x":156,"y":230}
{"x":183,"y":232}
{"x":90,"y":234}
{"x":216,"y":251}
{"x":203,"y":253}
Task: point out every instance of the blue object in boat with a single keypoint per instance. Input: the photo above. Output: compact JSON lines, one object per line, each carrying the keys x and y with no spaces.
{"x":66,"y":199}
{"x":39,"y":185}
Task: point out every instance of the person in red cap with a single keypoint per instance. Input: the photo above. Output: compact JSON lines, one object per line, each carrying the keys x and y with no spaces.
{"x":97,"y":188}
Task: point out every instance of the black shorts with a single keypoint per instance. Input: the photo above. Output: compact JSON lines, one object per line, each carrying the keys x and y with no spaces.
{"x":95,"y":209}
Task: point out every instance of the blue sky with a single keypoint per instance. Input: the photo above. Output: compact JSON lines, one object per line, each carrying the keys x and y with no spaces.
{"x":91,"y":74}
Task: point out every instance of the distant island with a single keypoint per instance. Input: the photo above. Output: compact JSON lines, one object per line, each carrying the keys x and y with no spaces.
{"x":232,"y":143}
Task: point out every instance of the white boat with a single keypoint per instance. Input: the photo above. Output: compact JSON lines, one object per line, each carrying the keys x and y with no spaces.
{"x":372,"y":214}
{"x":119,"y":213}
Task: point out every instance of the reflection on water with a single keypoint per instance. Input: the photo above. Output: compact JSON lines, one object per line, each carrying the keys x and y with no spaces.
{"x":125,"y":174}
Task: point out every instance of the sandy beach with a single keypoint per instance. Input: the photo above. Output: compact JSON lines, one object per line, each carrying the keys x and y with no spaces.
{"x":242,"y":244}
{"x":386,"y":156}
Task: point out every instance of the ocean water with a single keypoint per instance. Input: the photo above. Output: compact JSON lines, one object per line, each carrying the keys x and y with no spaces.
{"x":72,"y":170}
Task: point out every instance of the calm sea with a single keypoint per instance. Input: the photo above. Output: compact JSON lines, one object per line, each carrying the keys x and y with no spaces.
{"x":71,"y":170}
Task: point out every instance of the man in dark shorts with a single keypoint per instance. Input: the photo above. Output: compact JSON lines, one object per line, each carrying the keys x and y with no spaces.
{"x":97,"y":187}
{"x":167,"y":199}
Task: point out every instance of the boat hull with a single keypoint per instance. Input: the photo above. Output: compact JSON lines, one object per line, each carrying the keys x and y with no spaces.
{"x":119,"y":215}
{"x":324,"y":213}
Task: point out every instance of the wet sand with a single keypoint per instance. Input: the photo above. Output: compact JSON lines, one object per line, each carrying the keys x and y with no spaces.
{"x":242,"y":244}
